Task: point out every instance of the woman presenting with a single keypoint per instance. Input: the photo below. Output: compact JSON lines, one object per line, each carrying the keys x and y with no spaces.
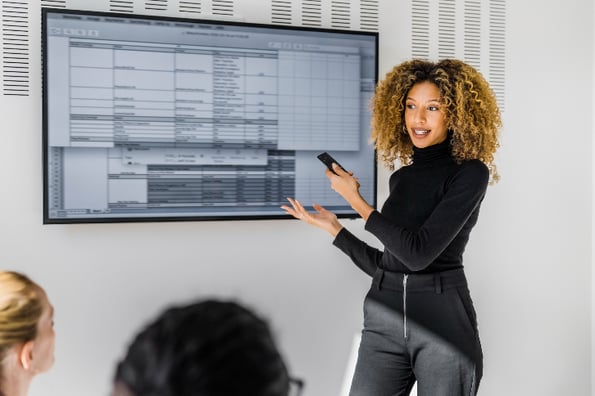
{"x":441,"y":122}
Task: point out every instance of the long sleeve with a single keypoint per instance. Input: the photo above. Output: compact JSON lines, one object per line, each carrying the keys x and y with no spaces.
{"x":364,"y":256}
{"x":417,"y":248}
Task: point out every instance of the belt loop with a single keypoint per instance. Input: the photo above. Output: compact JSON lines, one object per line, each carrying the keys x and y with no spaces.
{"x":380,"y":278}
{"x":437,"y":283}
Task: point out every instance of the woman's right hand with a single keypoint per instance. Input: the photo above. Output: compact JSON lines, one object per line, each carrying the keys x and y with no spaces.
{"x":322,"y":218}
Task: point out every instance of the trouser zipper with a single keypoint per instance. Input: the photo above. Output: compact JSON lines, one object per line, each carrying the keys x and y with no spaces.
{"x":405,"y":276}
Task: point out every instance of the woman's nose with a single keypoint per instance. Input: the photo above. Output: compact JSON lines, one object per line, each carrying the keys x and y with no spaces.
{"x":420,"y":116}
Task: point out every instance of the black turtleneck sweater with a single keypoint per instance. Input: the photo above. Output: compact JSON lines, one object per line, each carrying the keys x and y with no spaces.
{"x":426,"y":220}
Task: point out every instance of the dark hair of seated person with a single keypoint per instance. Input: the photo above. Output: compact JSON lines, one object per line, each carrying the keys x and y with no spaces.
{"x":209,"y":348}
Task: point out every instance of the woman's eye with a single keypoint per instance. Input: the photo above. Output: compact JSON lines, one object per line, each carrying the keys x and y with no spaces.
{"x":410,"y":106}
{"x":433,"y":108}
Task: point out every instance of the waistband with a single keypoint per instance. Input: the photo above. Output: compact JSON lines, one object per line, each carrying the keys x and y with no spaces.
{"x":434,"y":282}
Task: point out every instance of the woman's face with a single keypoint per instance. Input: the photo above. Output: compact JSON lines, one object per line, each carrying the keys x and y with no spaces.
{"x":425,"y":118}
{"x":43,"y":345}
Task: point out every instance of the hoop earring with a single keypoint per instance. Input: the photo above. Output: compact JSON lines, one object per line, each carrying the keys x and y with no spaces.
{"x":404,"y":129}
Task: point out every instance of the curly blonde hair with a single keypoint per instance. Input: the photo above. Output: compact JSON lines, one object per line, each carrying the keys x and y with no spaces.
{"x":470,"y":105}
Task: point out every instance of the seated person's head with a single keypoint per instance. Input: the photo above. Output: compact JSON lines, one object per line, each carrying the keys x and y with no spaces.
{"x":26,"y":332}
{"x":209,"y":348}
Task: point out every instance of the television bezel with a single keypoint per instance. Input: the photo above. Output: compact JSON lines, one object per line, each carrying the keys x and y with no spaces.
{"x":140,"y":219}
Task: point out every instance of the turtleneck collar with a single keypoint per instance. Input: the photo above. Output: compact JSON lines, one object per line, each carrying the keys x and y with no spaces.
{"x":432,"y":153}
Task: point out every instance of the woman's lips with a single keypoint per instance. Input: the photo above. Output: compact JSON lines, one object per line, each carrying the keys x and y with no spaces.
{"x":420,"y":132}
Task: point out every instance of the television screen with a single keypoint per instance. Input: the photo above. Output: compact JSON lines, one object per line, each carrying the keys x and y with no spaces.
{"x":149,"y":118}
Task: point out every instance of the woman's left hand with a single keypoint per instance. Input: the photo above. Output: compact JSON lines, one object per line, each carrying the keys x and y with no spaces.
{"x":344,"y":183}
{"x":347,"y":186}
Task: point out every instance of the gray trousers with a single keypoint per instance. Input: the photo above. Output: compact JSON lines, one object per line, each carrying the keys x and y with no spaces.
{"x":418,"y":328}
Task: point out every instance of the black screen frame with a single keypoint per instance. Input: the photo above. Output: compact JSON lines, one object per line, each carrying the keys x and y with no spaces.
{"x":47,"y":219}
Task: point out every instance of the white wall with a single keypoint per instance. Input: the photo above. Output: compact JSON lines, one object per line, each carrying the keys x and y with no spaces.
{"x":528,"y":260}
{"x":593,"y":222}
{"x":534,"y":286}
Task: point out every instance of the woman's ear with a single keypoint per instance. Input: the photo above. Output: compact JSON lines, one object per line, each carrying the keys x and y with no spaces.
{"x":26,"y":355}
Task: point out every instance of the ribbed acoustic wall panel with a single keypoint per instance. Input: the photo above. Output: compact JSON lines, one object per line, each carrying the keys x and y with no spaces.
{"x":15,"y":48}
{"x":471,"y":30}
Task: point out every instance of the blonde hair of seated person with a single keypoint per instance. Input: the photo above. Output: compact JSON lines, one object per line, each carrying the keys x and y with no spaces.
{"x":26,"y":333}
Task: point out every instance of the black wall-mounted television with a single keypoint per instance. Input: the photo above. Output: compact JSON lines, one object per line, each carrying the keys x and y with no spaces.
{"x":152,"y":118}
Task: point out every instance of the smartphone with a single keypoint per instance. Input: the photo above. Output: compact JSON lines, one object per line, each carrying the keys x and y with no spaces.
{"x":328,"y":161}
